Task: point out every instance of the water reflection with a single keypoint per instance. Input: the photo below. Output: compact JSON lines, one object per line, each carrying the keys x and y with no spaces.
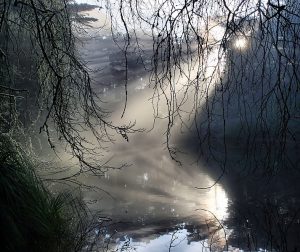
{"x":180,"y":237}
{"x":181,"y":240}
{"x":148,"y":193}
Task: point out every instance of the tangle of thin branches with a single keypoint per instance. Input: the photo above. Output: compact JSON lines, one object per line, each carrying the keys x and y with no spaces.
{"x":39,"y":56}
{"x":227,"y":70}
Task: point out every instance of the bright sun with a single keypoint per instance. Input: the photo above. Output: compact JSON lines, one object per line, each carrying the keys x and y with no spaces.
{"x":240,"y":43}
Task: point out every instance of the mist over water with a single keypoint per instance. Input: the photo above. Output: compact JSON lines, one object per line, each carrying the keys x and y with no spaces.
{"x":154,"y":198}
{"x":154,"y":194}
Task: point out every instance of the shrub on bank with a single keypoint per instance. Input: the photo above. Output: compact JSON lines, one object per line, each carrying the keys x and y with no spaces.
{"x":32,"y":218}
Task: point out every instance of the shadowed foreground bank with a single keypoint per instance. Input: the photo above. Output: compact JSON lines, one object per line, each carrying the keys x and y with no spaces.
{"x":32,"y":218}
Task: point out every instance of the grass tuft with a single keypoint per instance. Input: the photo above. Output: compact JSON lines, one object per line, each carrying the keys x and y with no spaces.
{"x":33,"y":219}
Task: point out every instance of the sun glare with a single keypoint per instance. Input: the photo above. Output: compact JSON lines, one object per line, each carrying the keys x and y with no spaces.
{"x":240,"y":43}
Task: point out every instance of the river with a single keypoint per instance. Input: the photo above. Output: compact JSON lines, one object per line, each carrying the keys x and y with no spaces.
{"x":154,"y":197}
{"x":154,"y":203}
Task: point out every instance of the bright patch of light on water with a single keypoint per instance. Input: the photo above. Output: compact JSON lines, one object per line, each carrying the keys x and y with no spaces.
{"x":179,"y":243}
{"x":218,"y":202}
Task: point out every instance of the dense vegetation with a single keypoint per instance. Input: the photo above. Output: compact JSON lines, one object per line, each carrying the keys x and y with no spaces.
{"x":42,"y":83}
{"x":32,"y":218}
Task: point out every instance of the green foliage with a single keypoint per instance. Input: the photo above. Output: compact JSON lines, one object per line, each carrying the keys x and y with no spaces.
{"x":33,"y":219}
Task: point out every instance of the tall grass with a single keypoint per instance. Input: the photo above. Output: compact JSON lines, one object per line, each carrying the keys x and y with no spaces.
{"x":33,"y":219}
